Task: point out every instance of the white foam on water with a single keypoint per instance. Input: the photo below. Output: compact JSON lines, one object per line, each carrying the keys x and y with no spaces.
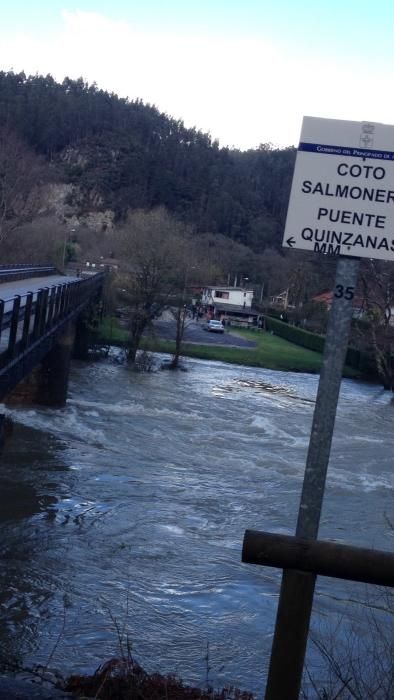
{"x":127,"y":408}
{"x":63,"y":423}
{"x":272,"y":429}
{"x":367,"y":438}
{"x":352,"y":481}
{"x":175,"y":529}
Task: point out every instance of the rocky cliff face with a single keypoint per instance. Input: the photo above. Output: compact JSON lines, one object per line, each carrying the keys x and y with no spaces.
{"x":68,"y":204}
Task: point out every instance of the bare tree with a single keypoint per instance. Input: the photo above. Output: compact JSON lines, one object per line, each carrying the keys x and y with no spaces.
{"x":181,"y":314}
{"x":357,"y":663}
{"x":152,"y":250}
{"x":374,"y":334}
{"x":22,"y":174}
{"x":226,"y":261}
{"x":180,"y":307}
{"x":41,"y":241}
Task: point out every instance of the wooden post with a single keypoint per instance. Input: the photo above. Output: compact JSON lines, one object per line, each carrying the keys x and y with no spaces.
{"x":320,"y":558}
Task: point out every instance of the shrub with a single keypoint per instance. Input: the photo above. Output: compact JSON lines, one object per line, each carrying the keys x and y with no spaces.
{"x":313,"y":341}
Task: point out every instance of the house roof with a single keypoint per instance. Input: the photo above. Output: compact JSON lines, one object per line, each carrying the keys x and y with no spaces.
{"x":323,"y":297}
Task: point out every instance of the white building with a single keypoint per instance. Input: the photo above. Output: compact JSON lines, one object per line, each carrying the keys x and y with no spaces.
{"x":229,"y":304}
{"x":227,"y":296}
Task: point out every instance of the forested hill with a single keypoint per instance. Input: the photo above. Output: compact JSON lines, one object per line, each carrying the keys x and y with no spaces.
{"x":126,"y":154}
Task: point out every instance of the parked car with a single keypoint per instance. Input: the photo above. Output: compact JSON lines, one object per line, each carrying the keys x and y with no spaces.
{"x":214,"y":326}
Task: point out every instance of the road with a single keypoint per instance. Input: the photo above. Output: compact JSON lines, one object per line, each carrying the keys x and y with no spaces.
{"x":194,"y":333}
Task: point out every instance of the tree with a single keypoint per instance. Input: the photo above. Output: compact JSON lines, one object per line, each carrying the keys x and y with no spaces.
{"x":180,"y":306}
{"x":42,"y":241}
{"x":22,"y":175}
{"x":374,"y":333}
{"x":180,"y":313}
{"x":357,"y":664}
{"x":152,"y":249}
{"x":125,"y":154}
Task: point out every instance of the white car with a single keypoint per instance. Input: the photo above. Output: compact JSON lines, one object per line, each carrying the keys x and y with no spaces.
{"x":214,"y":326}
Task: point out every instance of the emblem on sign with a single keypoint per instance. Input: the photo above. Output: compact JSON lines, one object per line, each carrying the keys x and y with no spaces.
{"x":367,"y":133}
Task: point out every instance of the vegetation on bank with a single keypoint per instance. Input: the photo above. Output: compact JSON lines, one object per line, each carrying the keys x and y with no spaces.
{"x":123,"y":678}
{"x":361,"y":362}
{"x":271,"y":352}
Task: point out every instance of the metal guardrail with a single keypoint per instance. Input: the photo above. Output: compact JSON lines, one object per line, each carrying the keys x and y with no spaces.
{"x":29,"y":329}
{"x":26,"y":266}
{"x":22,"y":271}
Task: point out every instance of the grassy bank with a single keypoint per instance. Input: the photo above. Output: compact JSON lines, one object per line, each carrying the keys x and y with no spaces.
{"x":270,"y":352}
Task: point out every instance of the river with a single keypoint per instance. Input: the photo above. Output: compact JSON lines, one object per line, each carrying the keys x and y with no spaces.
{"x":125,"y":512}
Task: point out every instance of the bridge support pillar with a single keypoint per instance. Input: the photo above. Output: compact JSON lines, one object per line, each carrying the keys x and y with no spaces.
{"x":48,"y":382}
{"x":82,"y":339}
{"x":6,"y":428}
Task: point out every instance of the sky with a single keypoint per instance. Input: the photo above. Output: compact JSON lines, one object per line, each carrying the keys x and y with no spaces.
{"x":244,"y":71}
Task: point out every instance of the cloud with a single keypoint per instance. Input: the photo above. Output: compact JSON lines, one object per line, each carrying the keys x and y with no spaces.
{"x":243,"y":90}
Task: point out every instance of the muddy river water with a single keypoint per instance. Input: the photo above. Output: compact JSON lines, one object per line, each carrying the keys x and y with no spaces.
{"x":124,"y":513}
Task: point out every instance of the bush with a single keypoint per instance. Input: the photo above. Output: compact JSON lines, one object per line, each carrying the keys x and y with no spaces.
{"x":298,"y":336}
{"x":124,"y":679}
{"x":312,"y":341}
{"x":357,"y":663}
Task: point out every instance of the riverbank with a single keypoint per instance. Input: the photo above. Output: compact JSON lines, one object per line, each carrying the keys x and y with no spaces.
{"x":16,"y":689}
{"x":269,"y":351}
{"x":121,"y":678}
{"x":124,"y":678}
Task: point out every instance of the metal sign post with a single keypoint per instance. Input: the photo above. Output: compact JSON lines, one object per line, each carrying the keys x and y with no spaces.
{"x":341,"y":203}
{"x":296,"y":596}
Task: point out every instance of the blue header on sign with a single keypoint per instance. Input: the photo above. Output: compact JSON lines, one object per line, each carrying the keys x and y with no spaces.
{"x":329,"y":150}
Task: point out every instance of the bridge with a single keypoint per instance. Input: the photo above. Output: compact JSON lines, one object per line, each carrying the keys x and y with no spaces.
{"x":40,"y":326}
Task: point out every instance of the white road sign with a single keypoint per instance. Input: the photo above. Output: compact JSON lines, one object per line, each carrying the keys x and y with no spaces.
{"x":342,"y":195}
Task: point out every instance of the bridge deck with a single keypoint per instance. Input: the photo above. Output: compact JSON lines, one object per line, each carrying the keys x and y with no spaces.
{"x":33,"y":312}
{"x":32,"y":284}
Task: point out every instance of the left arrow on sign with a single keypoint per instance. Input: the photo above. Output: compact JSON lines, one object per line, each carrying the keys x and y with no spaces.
{"x":290,"y":241}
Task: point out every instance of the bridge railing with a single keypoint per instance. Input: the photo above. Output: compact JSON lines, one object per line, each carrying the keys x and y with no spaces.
{"x":9,"y":273}
{"x":27,"y":318}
